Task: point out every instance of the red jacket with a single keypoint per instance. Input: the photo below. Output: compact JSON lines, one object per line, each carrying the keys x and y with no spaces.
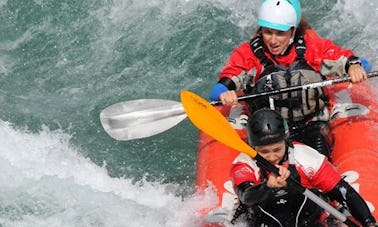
{"x":314,"y":169}
{"x":319,"y":52}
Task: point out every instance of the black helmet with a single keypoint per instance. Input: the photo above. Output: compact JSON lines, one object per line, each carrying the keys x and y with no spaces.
{"x":266,"y":126}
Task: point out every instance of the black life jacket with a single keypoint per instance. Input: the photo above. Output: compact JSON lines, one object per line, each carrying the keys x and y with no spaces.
{"x":286,"y":207}
{"x":293,"y":106}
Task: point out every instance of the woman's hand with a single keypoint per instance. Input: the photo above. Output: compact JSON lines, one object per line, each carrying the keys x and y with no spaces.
{"x":229,"y":98}
{"x":275,"y":181}
{"x":357,"y":73}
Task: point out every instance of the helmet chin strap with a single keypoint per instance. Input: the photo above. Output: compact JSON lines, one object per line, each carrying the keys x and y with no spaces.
{"x":290,"y":41}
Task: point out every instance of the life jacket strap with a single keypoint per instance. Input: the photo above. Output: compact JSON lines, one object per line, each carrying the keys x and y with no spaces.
{"x":300,"y":47}
{"x":257,"y":47}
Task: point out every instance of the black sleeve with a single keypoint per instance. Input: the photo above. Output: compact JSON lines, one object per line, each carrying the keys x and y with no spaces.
{"x":347,"y":196}
{"x":251,"y":194}
{"x":351,"y":61}
{"x":228,"y":83}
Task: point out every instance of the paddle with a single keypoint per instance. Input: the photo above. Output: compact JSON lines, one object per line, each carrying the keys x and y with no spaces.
{"x":141,"y":118}
{"x":209,"y":120}
{"x":147,"y":117}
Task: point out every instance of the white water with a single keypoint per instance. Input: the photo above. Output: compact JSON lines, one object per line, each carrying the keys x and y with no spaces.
{"x":46,"y":182}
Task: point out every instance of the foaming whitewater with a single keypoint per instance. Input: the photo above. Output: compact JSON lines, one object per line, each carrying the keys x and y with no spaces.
{"x":46,"y":182}
{"x":352,"y":24}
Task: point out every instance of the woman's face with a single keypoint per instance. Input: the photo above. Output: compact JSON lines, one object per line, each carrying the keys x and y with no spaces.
{"x":273,"y":153}
{"x":275,"y":40}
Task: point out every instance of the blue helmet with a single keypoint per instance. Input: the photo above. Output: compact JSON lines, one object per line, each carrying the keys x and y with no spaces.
{"x":279,"y":14}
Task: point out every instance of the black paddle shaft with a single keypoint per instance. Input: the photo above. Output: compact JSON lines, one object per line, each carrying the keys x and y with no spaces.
{"x":298,"y":88}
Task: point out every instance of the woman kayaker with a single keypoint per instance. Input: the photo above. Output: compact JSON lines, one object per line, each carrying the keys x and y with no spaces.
{"x":271,"y":200}
{"x":285,"y":53}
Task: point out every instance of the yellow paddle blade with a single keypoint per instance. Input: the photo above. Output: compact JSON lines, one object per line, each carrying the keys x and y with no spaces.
{"x":209,"y":120}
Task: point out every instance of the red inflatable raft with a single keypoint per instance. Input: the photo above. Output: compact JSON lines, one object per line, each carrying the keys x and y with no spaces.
{"x":354,"y":126}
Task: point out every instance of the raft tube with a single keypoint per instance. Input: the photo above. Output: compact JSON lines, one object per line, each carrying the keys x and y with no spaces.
{"x":354,"y":126}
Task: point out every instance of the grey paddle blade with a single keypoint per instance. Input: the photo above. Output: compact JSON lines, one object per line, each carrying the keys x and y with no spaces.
{"x":141,"y":118}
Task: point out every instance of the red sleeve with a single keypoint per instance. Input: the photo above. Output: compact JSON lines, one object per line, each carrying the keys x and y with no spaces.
{"x":241,"y":59}
{"x":241,"y":172}
{"x":327,"y":177}
{"x":319,"y":49}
